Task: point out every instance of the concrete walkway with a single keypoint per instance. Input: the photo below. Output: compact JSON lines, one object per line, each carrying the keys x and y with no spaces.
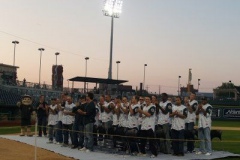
{"x":106,"y":155}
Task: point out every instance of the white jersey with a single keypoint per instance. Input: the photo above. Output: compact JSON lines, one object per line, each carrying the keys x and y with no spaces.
{"x":98,"y":115}
{"x":60,"y":112}
{"x":140,"y":117}
{"x":191,"y":117}
{"x":177,"y":122}
{"x":123,"y":117}
{"x":106,"y":117}
{"x":149,"y":122}
{"x":170,"y":118}
{"x":68,"y":119}
{"x":133,"y":119}
{"x":115,"y":118}
{"x":164,"y":118}
{"x":52,"y":117}
{"x":205,"y":121}
{"x":156,"y":115}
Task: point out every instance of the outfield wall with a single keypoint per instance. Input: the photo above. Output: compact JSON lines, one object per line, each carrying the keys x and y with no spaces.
{"x":229,"y":113}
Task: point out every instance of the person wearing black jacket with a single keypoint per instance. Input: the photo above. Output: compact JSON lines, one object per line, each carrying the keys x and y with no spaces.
{"x":42,"y":116}
{"x":78,"y":126}
{"x":89,"y":120}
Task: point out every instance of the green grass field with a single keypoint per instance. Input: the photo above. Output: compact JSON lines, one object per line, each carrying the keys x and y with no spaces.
{"x":230,"y":139}
{"x":222,"y":123}
{"x":11,"y":130}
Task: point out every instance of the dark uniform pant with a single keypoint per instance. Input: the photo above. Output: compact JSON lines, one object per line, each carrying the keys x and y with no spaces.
{"x":144,"y":135}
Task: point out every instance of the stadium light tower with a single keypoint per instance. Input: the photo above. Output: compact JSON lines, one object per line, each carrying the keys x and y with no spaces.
{"x":145,"y":65}
{"x":113,"y":9}
{"x":86,"y":58}
{"x":15,"y":43}
{"x":198,"y":84}
{"x":40,"y":49}
{"x":117,"y":67}
{"x":57,"y":53}
{"x":179,"y":77}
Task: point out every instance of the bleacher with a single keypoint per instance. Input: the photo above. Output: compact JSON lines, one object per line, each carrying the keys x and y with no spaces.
{"x":9,"y":98}
{"x":10,"y":95}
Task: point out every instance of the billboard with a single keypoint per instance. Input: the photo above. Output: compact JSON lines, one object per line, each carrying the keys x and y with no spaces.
{"x":57,"y":76}
{"x":231,"y":113}
{"x":216,"y":113}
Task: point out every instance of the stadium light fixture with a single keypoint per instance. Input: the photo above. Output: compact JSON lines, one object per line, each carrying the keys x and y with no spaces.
{"x":112,"y":8}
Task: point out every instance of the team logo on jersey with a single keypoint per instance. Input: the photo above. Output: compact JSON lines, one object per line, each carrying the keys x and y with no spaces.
{"x":152,"y":110}
{"x":169,"y":107}
{"x":136,"y":109}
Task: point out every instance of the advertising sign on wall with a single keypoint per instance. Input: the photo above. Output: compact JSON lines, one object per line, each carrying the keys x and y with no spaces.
{"x":231,"y":113}
{"x":216,"y":113}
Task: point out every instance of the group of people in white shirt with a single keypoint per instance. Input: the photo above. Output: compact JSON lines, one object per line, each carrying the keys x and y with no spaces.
{"x":164,"y":124}
{"x":143,"y":118}
{"x":63,"y":120}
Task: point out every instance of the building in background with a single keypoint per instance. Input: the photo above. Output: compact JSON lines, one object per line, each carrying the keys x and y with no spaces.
{"x":8,"y":74}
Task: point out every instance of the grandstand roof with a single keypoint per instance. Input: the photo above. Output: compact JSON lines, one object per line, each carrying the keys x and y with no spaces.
{"x":6,"y":65}
{"x":97,"y":80}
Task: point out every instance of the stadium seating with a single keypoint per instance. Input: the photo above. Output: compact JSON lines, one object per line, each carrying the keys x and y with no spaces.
{"x":9,"y":98}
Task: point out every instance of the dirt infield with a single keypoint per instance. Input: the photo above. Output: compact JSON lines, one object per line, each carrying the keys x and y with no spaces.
{"x":12,"y":150}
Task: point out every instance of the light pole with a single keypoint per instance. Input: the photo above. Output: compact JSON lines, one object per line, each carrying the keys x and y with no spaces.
{"x":57,"y":53}
{"x":68,"y":86}
{"x":145,"y":65}
{"x":198,"y":84}
{"x":15,"y":43}
{"x":179,"y":77}
{"x":112,"y":8}
{"x":117,"y":68}
{"x":229,"y":87}
{"x":86,"y":58}
{"x":117,"y":72}
{"x":40,"y":49}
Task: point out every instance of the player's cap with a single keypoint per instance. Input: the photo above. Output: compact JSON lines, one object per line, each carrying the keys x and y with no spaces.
{"x":26,"y":96}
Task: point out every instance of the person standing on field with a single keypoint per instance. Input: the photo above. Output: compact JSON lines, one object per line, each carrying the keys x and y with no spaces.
{"x":204,"y":127}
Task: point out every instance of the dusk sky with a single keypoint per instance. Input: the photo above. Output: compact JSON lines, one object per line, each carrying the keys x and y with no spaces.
{"x":170,"y":36}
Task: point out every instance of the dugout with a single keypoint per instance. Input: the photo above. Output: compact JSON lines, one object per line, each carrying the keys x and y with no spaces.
{"x":102,"y":85}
